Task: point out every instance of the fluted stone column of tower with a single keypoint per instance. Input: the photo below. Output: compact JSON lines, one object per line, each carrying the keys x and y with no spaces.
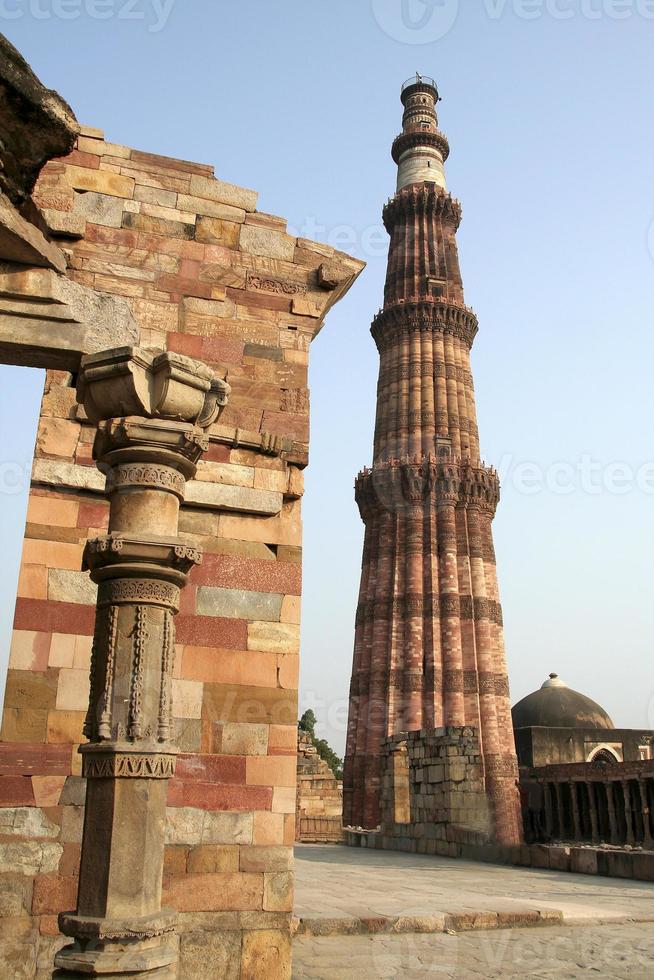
{"x":428,"y":647}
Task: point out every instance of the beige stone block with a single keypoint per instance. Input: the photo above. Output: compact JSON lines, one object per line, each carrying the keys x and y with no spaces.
{"x":243,"y":739}
{"x":229,"y":474}
{"x":100,"y":181}
{"x":155,"y":195}
{"x":72,"y":690}
{"x":57,"y":473}
{"x":92,"y":132}
{"x":168,"y":214}
{"x":29,"y":650}
{"x":187,"y":699}
{"x":283,"y":799}
{"x":274,"y":530}
{"x":211,"y":209}
{"x":82,"y":655}
{"x":98,"y":147}
{"x":272,"y":770}
{"x":62,"y":650}
{"x":52,"y":510}
{"x":27,"y":821}
{"x":288,"y":671}
{"x":217,"y":231}
{"x":230,"y":498}
{"x":217,"y":190}
{"x":70,"y":586}
{"x":57,"y":437}
{"x":184,"y":825}
{"x":304,"y":306}
{"x":33,"y":582}
{"x":268,"y":828}
{"x":59,"y":402}
{"x":99,"y":209}
{"x":239,"y":604}
{"x":65,"y":224}
{"x":278,"y":892}
{"x":274,"y":637}
{"x":266,"y":955}
{"x":266,"y":241}
{"x":53,"y":554}
{"x":151,"y":315}
{"x":30,"y":857}
{"x":291,"y":610}
{"x":65,"y":726}
{"x":212,"y":858}
{"x":270,"y":480}
{"x":227,"y":828}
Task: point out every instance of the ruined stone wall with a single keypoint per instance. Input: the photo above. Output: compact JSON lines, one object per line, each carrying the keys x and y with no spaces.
{"x":319,"y":797}
{"x":205,"y":275}
{"x":433,"y":797}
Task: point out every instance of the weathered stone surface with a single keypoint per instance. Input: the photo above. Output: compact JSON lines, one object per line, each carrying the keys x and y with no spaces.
{"x":218,"y":190}
{"x":239,"y":499}
{"x":99,"y":209}
{"x":58,"y":473}
{"x":70,"y":586}
{"x":238,"y":604}
{"x":265,"y":241}
{"x":218,"y":231}
{"x":29,"y":857}
{"x":274,"y":637}
{"x":266,"y":955}
{"x":29,"y":822}
{"x":36,"y":124}
{"x":64,"y":224}
{"x":220,"y":949}
{"x":23,"y":242}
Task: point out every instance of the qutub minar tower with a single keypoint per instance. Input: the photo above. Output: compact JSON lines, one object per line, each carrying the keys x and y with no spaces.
{"x":429,"y":648}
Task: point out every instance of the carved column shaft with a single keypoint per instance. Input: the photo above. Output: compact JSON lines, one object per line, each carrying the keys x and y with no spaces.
{"x":140,"y":567}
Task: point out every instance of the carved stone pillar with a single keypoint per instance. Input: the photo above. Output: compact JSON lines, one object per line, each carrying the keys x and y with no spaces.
{"x":152,"y":412}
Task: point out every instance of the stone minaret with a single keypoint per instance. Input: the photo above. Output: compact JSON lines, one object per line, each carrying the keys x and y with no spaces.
{"x":428,"y":647}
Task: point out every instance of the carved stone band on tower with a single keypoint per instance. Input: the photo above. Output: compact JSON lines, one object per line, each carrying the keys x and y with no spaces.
{"x":152,"y":411}
{"x":428,"y":645}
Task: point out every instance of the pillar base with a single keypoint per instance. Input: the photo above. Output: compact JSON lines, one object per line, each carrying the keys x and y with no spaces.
{"x":115,"y":947}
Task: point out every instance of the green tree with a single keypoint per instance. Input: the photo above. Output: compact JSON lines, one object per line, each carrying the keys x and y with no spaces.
{"x":307,"y":723}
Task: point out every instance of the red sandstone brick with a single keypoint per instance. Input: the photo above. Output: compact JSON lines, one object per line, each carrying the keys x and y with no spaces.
{"x":223,"y":349}
{"x":70,"y":859}
{"x":184,"y":343}
{"x":80,"y":159}
{"x":93,"y":515}
{"x":259,"y":300}
{"x":233,"y":891}
{"x":287,"y":424}
{"x":23,"y":759}
{"x":16,"y":791}
{"x":170,"y":246}
{"x":188,"y":599}
{"x":255,"y":575}
{"x":102,"y":235}
{"x":57,"y":617}
{"x":211,"y":796}
{"x":179,"y":286}
{"x":203,"y":631}
{"x":53,"y":894}
{"x":217,"y":453}
{"x":49,"y":925}
{"x":211,"y":768}
{"x":217,"y":666}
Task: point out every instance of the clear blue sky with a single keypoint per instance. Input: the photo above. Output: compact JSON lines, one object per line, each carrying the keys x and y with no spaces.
{"x":548,"y":108}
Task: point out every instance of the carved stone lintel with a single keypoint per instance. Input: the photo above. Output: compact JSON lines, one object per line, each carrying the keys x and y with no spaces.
{"x":126,"y":762}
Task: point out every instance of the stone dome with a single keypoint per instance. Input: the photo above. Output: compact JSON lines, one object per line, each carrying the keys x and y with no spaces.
{"x":555,"y":705}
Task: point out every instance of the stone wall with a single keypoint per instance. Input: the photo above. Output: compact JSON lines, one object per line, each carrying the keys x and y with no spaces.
{"x":433,"y":790}
{"x":319,"y":797}
{"x":204,"y":274}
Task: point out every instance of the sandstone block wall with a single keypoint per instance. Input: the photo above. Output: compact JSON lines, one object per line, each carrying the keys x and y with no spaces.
{"x":319,"y":797}
{"x":205,"y":274}
{"x":433,"y":790}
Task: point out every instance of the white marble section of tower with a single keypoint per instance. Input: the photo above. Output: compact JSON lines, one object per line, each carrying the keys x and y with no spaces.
{"x":421,"y":161}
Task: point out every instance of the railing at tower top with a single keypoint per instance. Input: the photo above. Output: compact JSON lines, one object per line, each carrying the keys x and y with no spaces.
{"x":419,"y":80}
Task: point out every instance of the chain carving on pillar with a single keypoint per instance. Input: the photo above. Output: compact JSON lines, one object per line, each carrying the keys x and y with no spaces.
{"x":428,"y":648}
{"x":153,"y":411}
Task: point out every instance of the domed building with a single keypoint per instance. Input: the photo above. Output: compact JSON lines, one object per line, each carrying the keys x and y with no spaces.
{"x":556,"y":724}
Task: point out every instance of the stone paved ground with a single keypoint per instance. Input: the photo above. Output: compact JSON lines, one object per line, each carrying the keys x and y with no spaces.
{"x":341,"y":882}
{"x":621,"y":951}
